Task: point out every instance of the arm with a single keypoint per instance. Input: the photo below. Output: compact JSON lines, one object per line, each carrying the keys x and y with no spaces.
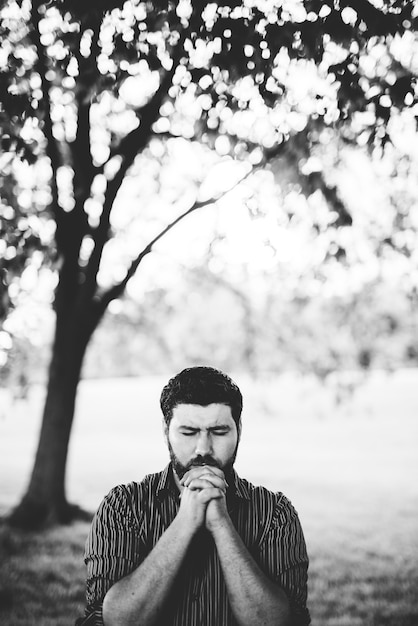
{"x":137,"y":599}
{"x":282,"y":555}
{"x":254,"y":598}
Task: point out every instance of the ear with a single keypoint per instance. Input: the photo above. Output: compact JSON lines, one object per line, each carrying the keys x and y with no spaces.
{"x":239,"y":429}
{"x":165,"y":429}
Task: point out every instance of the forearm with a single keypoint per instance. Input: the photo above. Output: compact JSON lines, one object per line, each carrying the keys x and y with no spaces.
{"x":253,"y":597}
{"x":137,"y":599}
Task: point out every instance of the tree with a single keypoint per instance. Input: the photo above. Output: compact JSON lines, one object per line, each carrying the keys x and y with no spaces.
{"x":86,"y":91}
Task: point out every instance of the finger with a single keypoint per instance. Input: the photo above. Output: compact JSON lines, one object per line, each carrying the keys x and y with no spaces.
{"x":216,"y":481}
{"x":205,"y":482}
{"x":213,"y":469}
{"x":212,"y":493}
{"x":198,"y":471}
{"x":209,"y":468}
{"x":200,"y":483}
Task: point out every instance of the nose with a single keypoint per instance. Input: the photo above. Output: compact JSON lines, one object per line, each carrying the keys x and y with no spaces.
{"x":204,"y":444}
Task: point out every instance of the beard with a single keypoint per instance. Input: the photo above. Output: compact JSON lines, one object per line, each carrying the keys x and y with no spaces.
{"x":200,"y":460}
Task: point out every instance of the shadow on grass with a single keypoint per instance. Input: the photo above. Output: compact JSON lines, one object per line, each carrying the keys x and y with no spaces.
{"x":42,"y":575}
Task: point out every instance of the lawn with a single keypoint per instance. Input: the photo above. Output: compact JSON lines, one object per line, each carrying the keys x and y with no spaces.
{"x":350,"y":469}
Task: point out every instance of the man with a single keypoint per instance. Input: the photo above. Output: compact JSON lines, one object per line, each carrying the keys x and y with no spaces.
{"x":195,"y":545}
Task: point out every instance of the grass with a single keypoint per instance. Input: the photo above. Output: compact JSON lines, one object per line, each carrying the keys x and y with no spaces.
{"x":41,"y":578}
{"x":350,"y":471}
{"x":359,"y":577}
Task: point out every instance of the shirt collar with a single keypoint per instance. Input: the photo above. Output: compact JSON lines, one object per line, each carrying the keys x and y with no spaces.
{"x":240,"y":487}
{"x":167,"y":484}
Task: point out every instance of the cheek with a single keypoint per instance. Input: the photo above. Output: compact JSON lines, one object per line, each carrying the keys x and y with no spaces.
{"x":181,"y":446}
{"x":226,"y":447}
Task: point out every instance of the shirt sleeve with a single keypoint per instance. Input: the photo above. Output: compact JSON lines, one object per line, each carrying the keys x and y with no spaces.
{"x":114,"y":548}
{"x":284,"y":557}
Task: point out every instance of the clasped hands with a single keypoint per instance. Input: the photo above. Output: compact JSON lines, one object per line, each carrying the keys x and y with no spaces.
{"x":203,"y":497}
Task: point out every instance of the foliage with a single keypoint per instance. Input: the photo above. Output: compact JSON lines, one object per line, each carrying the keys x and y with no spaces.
{"x":84,"y":90}
{"x":260,"y":331}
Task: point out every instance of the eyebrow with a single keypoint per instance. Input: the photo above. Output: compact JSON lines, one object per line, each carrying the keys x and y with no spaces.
{"x":196,"y":428}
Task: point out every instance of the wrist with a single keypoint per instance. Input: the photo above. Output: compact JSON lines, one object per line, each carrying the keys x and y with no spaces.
{"x":219,"y":525}
{"x":184,"y":526}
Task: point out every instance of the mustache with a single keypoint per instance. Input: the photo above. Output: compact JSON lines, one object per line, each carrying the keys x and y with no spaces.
{"x":203,"y":460}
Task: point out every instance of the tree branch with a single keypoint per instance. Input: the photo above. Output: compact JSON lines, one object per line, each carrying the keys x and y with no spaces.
{"x":132,"y":144}
{"x":83,"y":166}
{"x":117,"y":290}
{"x":295,"y":149}
{"x":52,"y":148}
{"x":314,"y":182}
{"x":82,"y":160}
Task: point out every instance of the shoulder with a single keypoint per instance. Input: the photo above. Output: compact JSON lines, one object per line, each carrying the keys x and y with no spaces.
{"x":260,"y":494}
{"x":273,"y":506}
{"x":134,"y":489}
{"x":280,"y":530}
{"x":129,"y":499}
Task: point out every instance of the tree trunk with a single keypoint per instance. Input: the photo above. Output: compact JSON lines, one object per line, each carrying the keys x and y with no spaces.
{"x":45,"y":500}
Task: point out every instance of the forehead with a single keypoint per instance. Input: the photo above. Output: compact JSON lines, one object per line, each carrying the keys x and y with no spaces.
{"x":202,"y":416}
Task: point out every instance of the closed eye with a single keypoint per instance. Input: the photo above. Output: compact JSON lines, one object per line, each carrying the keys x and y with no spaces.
{"x":189,"y":433}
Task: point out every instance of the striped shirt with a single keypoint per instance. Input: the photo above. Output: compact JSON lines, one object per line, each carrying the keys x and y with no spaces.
{"x":132,"y":518}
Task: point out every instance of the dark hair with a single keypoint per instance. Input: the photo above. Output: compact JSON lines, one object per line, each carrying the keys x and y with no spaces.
{"x":201,"y":385}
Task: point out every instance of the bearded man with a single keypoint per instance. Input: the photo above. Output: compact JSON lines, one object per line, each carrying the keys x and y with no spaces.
{"x":196,"y":545}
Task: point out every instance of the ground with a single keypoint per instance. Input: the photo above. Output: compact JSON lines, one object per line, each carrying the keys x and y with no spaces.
{"x":349,"y":468}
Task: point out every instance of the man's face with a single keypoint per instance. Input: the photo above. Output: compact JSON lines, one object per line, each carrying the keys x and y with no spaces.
{"x":202,"y":435}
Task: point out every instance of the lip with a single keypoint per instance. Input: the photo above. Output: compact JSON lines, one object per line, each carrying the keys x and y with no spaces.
{"x":203,"y":464}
